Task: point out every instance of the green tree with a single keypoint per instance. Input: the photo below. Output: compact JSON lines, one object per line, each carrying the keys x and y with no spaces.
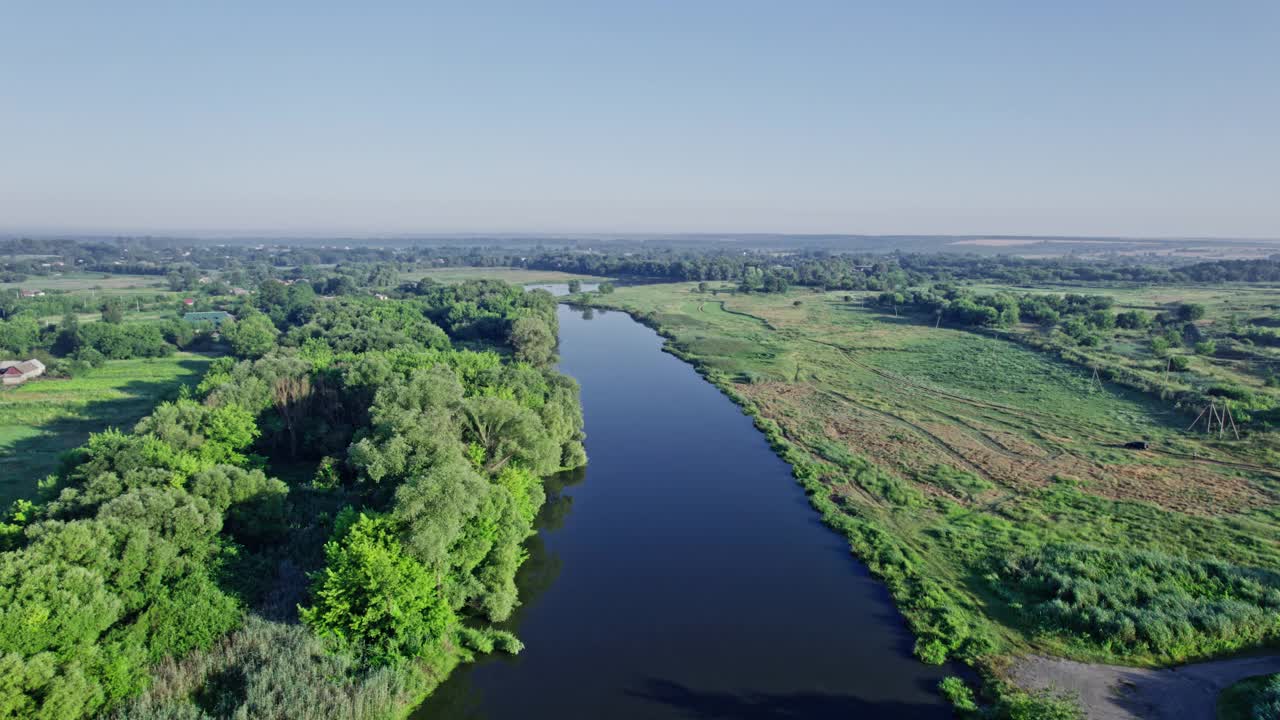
{"x":113,"y":311}
{"x":532,"y":341}
{"x":1190,"y":311}
{"x":575,"y":286}
{"x":374,"y":599}
{"x":508,"y":432}
{"x":252,"y":336}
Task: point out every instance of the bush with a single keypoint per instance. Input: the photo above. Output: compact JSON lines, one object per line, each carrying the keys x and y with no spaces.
{"x":1267,"y":704}
{"x":91,"y":356}
{"x":271,"y":671}
{"x":958,"y":694}
{"x":1019,"y":705}
{"x":1144,"y":603}
{"x":1190,"y":311}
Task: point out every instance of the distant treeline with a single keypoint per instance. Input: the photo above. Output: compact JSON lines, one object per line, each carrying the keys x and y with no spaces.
{"x":882,"y":272}
{"x":183,"y":262}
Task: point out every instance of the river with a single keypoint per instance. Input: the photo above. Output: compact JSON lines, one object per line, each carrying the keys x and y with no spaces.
{"x":684,"y":574}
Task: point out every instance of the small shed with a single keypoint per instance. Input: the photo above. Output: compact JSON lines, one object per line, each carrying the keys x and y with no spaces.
{"x":217,"y":317}
{"x":16,"y":372}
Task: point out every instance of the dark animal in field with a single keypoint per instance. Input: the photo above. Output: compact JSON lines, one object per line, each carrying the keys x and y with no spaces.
{"x":1137,"y":445}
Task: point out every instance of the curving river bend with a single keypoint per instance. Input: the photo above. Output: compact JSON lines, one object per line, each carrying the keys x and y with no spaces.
{"x":684,"y":575}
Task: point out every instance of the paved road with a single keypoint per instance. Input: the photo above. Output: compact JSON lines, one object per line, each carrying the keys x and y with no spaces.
{"x":1109,"y":692}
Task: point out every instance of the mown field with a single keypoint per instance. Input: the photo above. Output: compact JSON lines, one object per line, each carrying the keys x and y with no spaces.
{"x":988,"y":484}
{"x":44,"y":418}
{"x":515,"y":276}
{"x":83,"y":282}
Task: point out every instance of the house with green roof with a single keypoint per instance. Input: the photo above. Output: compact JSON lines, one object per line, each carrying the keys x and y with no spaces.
{"x":217,"y":317}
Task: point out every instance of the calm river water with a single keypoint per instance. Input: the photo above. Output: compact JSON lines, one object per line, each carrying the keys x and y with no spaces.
{"x":684,"y":574}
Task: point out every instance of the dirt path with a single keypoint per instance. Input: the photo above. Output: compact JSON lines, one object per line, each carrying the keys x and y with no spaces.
{"x":1109,"y":692}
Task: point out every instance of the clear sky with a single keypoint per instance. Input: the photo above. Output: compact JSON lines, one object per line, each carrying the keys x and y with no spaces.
{"x":1071,"y":117}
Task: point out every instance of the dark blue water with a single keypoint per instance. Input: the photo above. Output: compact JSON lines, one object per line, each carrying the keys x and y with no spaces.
{"x":684,"y":574}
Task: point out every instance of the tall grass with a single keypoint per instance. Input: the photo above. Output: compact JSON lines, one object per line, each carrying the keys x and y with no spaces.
{"x":273,"y":671}
{"x":1145,"y":602}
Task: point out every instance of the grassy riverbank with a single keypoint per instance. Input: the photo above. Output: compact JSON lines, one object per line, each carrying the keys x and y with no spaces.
{"x":985,"y":482}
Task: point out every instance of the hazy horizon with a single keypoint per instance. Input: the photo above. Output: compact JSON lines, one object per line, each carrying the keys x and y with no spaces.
{"x":1147,"y":120}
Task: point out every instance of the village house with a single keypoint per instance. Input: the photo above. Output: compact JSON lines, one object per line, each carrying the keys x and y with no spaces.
{"x":217,"y":317}
{"x":16,"y":372}
{"x":239,"y":291}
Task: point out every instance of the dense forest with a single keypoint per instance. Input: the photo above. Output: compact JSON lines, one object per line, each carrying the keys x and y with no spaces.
{"x":355,"y":467}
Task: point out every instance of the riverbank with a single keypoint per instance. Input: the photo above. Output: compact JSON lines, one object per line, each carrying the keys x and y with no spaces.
{"x":684,"y":573}
{"x":940,"y":473}
{"x":1110,"y":692}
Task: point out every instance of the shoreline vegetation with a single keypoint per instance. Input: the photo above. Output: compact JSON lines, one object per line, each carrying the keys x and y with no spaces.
{"x":169,"y":571}
{"x":1007,"y":443}
{"x":976,"y":610}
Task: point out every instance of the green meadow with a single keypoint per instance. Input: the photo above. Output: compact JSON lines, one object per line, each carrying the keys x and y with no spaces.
{"x":980,"y":478}
{"x":43,"y":418}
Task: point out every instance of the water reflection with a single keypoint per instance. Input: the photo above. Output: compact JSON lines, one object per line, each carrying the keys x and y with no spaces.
{"x":458,"y":697}
{"x":690,"y":577}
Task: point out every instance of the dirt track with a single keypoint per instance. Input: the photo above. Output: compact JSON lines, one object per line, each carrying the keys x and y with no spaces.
{"x":1109,"y":692}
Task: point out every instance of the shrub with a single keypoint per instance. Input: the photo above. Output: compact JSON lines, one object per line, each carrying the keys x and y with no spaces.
{"x":1133,"y":603}
{"x":958,"y":694}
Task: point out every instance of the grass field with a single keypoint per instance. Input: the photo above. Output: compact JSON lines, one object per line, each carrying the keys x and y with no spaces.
{"x":1243,"y":304}
{"x":515,"y":276}
{"x":44,"y":418}
{"x":83,"y":282}
{"x":943,"y":453}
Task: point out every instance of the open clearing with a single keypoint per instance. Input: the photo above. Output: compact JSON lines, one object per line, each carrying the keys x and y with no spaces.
{"x":992,"y":449}
{"x":106,"y":284}
{"x":44,"y":418}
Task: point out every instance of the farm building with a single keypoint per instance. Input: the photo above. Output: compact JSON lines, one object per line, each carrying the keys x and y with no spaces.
{"x":16,"y":372}
{"x":217,"y":317}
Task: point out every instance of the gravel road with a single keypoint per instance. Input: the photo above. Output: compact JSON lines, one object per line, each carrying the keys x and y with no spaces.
{"x":1109,"y":692}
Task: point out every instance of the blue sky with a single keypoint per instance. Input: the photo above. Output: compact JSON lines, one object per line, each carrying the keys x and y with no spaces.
{"x":1117,"y":117}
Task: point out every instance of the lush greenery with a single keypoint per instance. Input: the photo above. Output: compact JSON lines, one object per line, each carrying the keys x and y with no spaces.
{"x":985,"y":480}
{"x":1145,"y":602}
{"x":40,"y":421}
{"x":1176,"y":352}
{"x":1253,"y":699}
{"x":164,"y":559}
